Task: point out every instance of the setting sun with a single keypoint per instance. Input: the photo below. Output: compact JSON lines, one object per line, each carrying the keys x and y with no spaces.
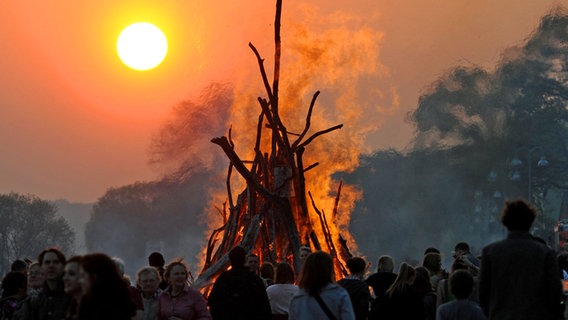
{"x":142,"y":46}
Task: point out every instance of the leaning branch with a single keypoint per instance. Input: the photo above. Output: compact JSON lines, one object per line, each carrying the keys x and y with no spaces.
{"x":308,"y":121}
{"x":238,"y":164}
{"x":319,"y":133}
{"x":262,"y":71}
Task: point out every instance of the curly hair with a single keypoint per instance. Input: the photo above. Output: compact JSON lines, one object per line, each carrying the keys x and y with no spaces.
{"x":518,"y":215}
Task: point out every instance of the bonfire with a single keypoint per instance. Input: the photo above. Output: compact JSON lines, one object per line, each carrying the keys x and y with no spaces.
{"x":274,"y":215}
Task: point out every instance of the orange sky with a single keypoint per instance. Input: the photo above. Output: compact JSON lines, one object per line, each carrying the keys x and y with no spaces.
{"x":75,"y":121}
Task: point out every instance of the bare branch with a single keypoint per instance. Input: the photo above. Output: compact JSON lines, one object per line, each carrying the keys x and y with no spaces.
{"x":262,"y":71}
{"x":308,"y":121}
{"x":313,"y":165}
{"x":319,"y":133}
{"x":238,"y":164}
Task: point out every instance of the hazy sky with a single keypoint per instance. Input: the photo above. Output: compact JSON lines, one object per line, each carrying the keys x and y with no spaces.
{"x":75,"y":121}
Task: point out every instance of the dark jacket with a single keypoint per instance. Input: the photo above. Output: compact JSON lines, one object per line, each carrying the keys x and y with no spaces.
{"x":239,"y":294}
{"x":401,"y":305}
{"x":50,"y":304}
{"x":359,"y":294}
{"x":380,"y":282}
{"x":519,"y":279}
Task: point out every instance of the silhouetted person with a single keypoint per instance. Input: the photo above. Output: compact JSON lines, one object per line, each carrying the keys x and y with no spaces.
{"x":433,"y":262}
{"x":357,"y":288}
{"x":423,"y":288}
{"x":381,"y":281}
{"x":14,"y":288}
{"x":462,"y":252}
{"x":238,"y":293}
{"x":461,"y":286}
{"x":267,"y":273}
{"x":156,"y":260}
{"x":401,"y":301}
{"x":19,"y":266}
{"x":431,"y":249}
{"x":134,"y":292}
{"x":106,"y":294}
{"x":519,"y":275}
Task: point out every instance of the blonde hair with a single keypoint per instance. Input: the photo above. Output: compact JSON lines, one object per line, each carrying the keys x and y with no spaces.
{"x":403,"y":279}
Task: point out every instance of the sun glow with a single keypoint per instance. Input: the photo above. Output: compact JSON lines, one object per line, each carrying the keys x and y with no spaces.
{"x":142,"y":46}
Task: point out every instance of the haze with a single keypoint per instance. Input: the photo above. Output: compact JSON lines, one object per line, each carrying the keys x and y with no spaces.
{"x":75,"y":121}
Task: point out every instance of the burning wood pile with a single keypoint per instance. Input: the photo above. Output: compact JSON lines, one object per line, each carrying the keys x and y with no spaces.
{"x":272,"y":215}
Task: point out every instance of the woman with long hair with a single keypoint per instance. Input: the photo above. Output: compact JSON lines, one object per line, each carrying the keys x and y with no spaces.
{"x":319,"y":297}
{"x":105,"y":294}
{"x":423,"y":288}
{"x":179,"y":301}
{"x":401,"y":301}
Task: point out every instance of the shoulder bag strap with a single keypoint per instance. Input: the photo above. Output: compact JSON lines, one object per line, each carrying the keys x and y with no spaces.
{"x":324,"y":307}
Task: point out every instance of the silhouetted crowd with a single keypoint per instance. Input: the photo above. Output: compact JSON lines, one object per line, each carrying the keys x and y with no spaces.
{"x":519,"y":277}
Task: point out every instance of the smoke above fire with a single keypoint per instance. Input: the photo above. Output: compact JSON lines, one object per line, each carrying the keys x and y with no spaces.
{"x":334,"y":53}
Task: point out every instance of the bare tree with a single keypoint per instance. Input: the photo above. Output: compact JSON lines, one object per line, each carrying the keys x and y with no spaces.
{"x":28,"y":225}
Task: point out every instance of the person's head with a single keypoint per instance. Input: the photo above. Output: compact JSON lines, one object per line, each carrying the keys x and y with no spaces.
{"x":433,"y":262}
{"x":156,"y":259}
{"x":460,"y":249}
{"x":253,"y":262}
{"x":103,"y":289}
{"x":422,"y":279}
{"x":176,"y":273}
{"x":72,"y":277}
{"x":461,"y":284}
{"x":237,"y":256}
{"x":267,"y":270}
{"x":304,"y":252}
{"x":19,"y":266}
{"x":431,"y":249}
{"x":356,"y":265}
{"x":458,"y":264}
{"x":99,"y":275}
{"x":148,"y":280}
{"x":404,"y":278}
{"x":385,"y":263}
{"x":119,"y":265}
{"x":518,"y":215}
{"x":14,"y":283}
{"x":36,"y":276}
{"x":52,"y":261}
{"x":317,"y":271}
{"x":284,"y":273}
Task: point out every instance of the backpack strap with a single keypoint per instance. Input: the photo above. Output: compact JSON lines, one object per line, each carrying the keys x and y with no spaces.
{"x":324,"y":307}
